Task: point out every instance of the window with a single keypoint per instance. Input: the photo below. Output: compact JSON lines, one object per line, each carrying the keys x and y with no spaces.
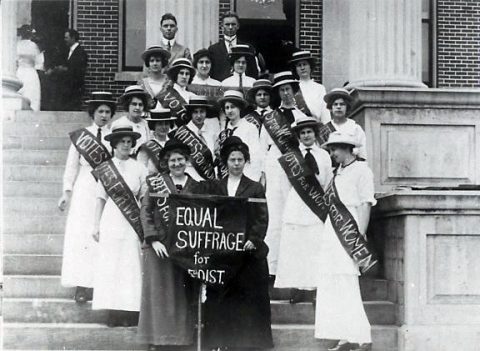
{"x":428,"y":43}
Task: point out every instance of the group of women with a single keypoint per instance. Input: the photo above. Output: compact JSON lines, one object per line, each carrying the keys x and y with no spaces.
{"x":240,"y":142}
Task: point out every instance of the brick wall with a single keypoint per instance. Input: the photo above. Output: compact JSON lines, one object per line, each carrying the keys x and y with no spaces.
{"x":97,"y":23}
{"x":224,"y":7}
{"x":458,"y":42}
{"x":311,"y":31}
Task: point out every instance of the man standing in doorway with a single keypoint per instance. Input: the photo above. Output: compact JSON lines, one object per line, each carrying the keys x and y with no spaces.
{"x":168,"y":27}
{"x":74,"y":71}
{"x":219,"y":51}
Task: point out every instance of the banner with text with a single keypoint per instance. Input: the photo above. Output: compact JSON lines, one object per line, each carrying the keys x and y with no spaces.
{"x":206,"y":236}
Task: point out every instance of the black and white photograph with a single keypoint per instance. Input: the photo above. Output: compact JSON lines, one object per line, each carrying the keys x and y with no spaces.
{"x":240,"y":175}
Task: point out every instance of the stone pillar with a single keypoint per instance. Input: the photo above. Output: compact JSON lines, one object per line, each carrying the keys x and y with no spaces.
{"x":385,"y":43}
{"x":12,"y":100}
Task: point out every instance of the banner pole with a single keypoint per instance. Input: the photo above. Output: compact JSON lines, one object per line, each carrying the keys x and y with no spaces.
{"x":199,"y":317}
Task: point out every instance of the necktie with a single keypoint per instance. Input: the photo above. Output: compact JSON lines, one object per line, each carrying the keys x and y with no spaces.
{"x":169,"y":46}
{"x":241,"y":81}
{"x":262,"y":113}
{"x":99,"y":134}
{"x":310,"y":160}
{"x":202,"y":138}
{"x":289,"y":115}
{"x":179,"y":187}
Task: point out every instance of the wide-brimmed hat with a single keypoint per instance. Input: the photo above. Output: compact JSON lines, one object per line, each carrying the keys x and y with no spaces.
{"x":178,"y":64}
{"x":159,"y":114}
{"x":173,"y":144}
{"x":199,"y":54}
{"x":234,"y":96}
{"x":101,"y":97}
{"x":264,"y":84}
{"x":157,"y":51}
{"x":122,"y":130}
{"x":304,"y":121}
{"x":240,"y":50}
{"x":335,"y":94}
{"x":341,"y":138}
{"x":134,"y":90}
{"x":302,"y":56}
{"x":285,"y":77}
{"x":198,"y":101}
{"x":231,"y":141}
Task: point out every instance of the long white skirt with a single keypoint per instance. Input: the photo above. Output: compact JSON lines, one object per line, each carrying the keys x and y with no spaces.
{"x":339,"y":312}
{"x":31,"y":85}
{"x":80,"y":250}
{"x":118,"y":274}
{"x":298,"y":259}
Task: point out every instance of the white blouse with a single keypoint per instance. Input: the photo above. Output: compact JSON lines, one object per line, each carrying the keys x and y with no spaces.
{"x":313,"y":94}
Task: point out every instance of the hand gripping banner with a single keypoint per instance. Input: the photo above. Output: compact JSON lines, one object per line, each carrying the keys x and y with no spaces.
{"x":328,"y":203}
{"x":206,"y":235}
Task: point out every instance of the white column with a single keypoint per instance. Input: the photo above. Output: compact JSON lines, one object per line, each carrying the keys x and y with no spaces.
{"x":197,"y":22}
{"x":10,"y":84}
{"x":385,"y":43}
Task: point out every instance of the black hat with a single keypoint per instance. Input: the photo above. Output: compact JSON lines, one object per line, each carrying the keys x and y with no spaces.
{"x":173,"y":144}
{"x":157,"y":51}
{"x":285,"y":77}
{"x":231,"y":141}
{"x":121,"y":131}
{"x":159,"y":114}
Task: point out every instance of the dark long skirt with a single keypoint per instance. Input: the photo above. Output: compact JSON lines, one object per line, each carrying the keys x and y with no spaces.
{"x":239,"y":316}
{"x":166,"y":311}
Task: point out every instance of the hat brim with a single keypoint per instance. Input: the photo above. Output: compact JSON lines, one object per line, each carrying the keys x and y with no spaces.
{"x":172,"y":70}
{"x":168,"y":148}
{"x":336,"y":142}
{"x":309,"y":124}
{"x":160,"y":52}
{"x":330,"y":97}
{"x":241,"y":101}
{"x":116,"y":135}
{"x":310,"y":60}
{"x":252,"y":91}
{"x":191,"y":106}
{"x":125,"y":96}
{"x":108,"y":102}
{"x":287,"y":81}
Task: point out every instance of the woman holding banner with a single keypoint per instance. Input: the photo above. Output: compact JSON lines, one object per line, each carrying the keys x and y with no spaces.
{"x":340,"y":314}
{"x":238,"y":316}
{"x":167,"y":292}
{"x":79,"y":191}
{"x":118,"y":276}
{"x":300,"y":239}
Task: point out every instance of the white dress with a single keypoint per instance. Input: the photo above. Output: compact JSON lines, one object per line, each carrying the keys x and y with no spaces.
{"x":27,"y":52}
{"x":300,"y":240}
{"x":313,"y":94}
{"x":277,"y":189}
{"x":118,"y":273}
{"x":339,"y":312}
{"x":80,"y":249}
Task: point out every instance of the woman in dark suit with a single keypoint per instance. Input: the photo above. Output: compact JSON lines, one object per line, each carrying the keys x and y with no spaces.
{"x":238,"y":316}
{"x":166,"y":318}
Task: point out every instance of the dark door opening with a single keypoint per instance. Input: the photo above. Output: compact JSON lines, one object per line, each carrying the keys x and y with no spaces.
{"x":270,"y":29}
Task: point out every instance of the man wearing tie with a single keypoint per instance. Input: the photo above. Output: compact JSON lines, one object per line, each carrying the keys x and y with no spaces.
{"x":74,"y":72}
{"x":219,"y":51}
{"x":168,"y":27}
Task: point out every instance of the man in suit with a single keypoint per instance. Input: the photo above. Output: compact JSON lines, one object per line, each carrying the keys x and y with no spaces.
{"x":219,"y":51}
{"x":74,"y":71}
{"x":168,"y":27}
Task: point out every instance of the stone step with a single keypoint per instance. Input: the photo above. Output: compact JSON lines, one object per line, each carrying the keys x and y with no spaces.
{"x":51,"y":336}
{"x":32,"y":264}
{"x":40,"y":129}
{"x":41,"y":244}
{"x":50,"y":117}
{"x":34,"y":205}
{"x":372,"y":289}
{"x":33,"y":173}
{"x":31,"y":310}
{"x":35,"y":143}
{"x":35,"y":157}
{"x":17,"y":188}
{"x":32,"y":223}
{"x":35,"y":286}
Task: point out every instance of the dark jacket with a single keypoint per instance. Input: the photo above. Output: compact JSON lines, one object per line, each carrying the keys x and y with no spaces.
{"x":76,"y":70}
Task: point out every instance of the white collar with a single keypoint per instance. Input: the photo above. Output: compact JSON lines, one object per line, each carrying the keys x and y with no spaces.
{"x":105,"y":127}
{"x":72,"y":48}
{"x":288,"y":108}
{"x":259,"y":110}
{"x":165,"y":42}
{"x":230,"y":39}
{"x":230,"y":126}
{"x":302,"y":147}
{"x":176,"y":86}
{"x":194,"y":128}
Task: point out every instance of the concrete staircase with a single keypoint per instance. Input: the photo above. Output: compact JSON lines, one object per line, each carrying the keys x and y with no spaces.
{"x":39,"y":314}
